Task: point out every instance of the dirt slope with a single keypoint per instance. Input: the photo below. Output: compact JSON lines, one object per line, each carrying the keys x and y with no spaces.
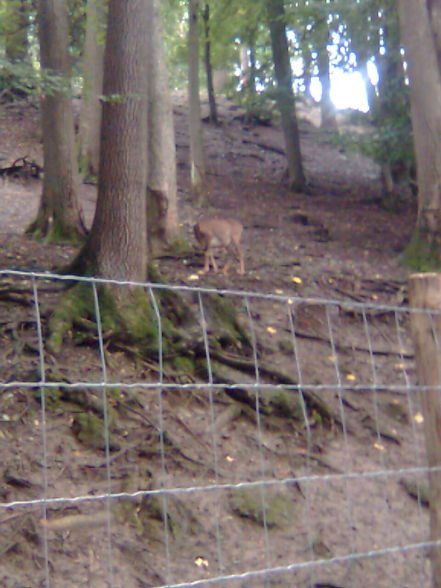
{"x":333,"y":243}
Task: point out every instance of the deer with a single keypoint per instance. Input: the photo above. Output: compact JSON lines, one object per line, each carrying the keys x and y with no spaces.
{"x":224,"y":233}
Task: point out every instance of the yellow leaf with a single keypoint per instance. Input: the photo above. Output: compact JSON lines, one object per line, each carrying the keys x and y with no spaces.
{"x":278,"y":291}
{"x":419,"y":418}
{"x":271,"y":330}
{"x":201,"y":562}
{"x":296,"y":280}
{"x":350,"y":377}
{"x":378,"y":446}
{"x":193,"y":277}
{"x":229,"y":458}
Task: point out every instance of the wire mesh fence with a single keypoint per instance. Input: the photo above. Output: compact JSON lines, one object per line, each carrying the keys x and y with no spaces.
{"x":281,"y":446}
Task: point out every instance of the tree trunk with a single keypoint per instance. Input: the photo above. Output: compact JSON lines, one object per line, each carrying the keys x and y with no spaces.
{"x":162,"y":204}
{"x":425,"y":294}
{"x":421,"y":39}
{"x":90,"y":118}
{"x":208,"y":66}
{"x":307,"y":70}
{"x":197,"y":158}
{"x":59,"y":215}
{"x":327,"y":109}
{"x":285,"y":94}
{"x":117,"y":244}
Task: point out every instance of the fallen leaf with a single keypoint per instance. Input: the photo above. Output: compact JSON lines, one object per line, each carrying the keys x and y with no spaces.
{"x":193,"y":277}
{"x":378,"y":446}
{"x":418,"y":418}
{"x":296,"y":280}
{"x":271,"y":330}
{"x":201,"y":562}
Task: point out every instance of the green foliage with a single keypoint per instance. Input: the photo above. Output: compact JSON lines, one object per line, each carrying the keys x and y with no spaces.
{"x":259,"y":106}
{"x":388,"y":142}
{"x":17,"y":80}
{"x":23,"y":80}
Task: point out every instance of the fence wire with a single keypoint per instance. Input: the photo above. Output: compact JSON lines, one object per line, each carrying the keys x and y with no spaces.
{"x":288,"y":453}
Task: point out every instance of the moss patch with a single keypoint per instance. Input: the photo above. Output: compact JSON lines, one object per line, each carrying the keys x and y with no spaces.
{"x":421,"y":255}
{"x":274,"y":508}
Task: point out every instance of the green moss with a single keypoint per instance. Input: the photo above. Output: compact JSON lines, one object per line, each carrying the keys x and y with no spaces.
{"x":179,"y":247}
{"x":286,"y":404}
{"x":52,"y":397}
{"x":89,"y":430}
{"x":261,"y":506}
{"x":222,"y":317}
{"x":184,"y":364}
{"x":420,"y":255}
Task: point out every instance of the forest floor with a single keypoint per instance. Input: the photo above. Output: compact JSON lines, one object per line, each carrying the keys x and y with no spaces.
{"x":335,"y":243}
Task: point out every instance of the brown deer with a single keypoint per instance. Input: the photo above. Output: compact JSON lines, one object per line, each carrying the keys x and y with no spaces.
{"x":212,"y":233}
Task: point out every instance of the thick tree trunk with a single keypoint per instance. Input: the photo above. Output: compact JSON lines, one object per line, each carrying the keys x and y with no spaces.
{"x":90,"y":119}
{"x":117,"y":244}
{"x":197,"y":157}
{"x":162,"y":204}
{"x":421,"y":39}
{"x":59,"y":214}
{"x":285,"y":94}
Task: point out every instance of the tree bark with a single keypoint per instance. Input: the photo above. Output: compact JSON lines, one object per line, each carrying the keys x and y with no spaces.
{"x":197,"y":158}
{"x":117,"y":244}
{"x":285,"y":94}
{"x":327,"y":109}
{"x":59,"y":214}
{"x":93,"y":63}
{"x":421,"y":40}
{"x":162,"y":204}
{"x":208,"y":66}
{"x":425,"y":294}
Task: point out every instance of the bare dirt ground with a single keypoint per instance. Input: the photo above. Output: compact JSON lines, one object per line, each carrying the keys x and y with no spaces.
{"x":333,"y":243}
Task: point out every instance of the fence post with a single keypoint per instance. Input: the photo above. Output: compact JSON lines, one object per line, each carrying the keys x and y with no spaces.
{"x":425,"y":294}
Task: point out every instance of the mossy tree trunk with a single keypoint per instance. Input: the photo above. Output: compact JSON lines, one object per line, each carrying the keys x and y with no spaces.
{"x":59,"y":215}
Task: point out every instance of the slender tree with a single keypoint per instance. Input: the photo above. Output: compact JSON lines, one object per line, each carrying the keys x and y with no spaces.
{"x":197,"y":158}
{"x":285,"y":94}
{"x":90,"y":118}
{"x":59,"y":214}
{"x":208,"y":65}
{"x":327,"y":109}
{"x":162,"y":205}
